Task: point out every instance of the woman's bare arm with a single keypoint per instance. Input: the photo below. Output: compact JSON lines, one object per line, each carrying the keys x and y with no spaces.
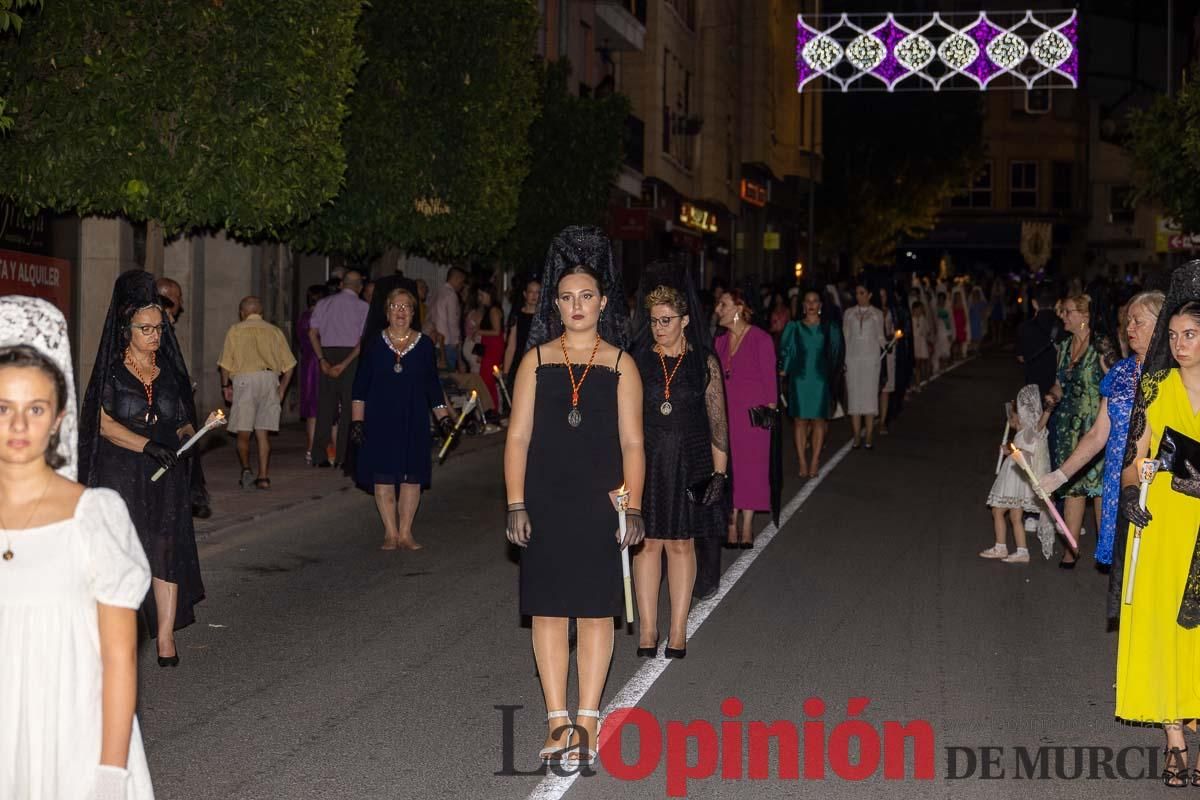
{"x":520,"y":430}
{"x":1131,"y":475}
{"x":118,"y":655}
{"x":629,"y":424}
{"x":119,"y":435}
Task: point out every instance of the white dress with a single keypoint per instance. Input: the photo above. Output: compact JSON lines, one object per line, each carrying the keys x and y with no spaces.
{"x":50,"y":669}
{"x":921,"y":338}
{"x":863,"y":332}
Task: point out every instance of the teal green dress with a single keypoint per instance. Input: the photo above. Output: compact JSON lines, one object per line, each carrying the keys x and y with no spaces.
{"x":810,"y":357}
{"x":1075,"y":415}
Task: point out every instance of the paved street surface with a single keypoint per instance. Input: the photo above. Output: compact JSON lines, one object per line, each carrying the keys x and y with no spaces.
{"x":321,"y":667}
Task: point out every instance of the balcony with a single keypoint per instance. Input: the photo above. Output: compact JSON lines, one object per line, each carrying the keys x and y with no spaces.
{"x":621,"y":24}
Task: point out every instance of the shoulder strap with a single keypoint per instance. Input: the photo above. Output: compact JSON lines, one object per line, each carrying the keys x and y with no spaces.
{"x":620,"y":353}
{"x":538,"y":349}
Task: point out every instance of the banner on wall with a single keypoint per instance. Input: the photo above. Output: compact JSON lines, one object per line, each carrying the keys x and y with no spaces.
{"x":37,"y":276}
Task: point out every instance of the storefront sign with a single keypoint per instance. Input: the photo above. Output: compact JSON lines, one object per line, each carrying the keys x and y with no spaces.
{"x":630,"y":223}
{"x":37,"y":276}
{"x":771,"y":240}
{"x":753,"y":193}
{"x":698,"y":218}
{"x":21,"y":230}
{"x":1170,"y":238}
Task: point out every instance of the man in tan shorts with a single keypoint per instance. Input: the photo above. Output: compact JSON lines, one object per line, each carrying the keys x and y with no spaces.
{"x":256,"y":367}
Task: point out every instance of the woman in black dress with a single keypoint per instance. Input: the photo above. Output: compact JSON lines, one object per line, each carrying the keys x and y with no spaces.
{"x":137,"y":411}
{"x":519,"y":322}
{"x":575,"y":435}
{"x":687,"y":453}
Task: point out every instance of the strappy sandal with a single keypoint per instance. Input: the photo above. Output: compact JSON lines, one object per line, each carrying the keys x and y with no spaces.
{"x":1177,"y":778}
{"x":581,"y":756}
{"x":554,"y":754}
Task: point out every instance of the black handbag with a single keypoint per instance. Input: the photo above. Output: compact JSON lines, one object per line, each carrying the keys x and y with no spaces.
{"x":763,"y":417}
{"x":1175,"y":450}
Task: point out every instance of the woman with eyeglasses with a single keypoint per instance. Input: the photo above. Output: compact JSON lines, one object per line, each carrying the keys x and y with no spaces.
{"x":137,"y":412}
{"x":394,"y":390}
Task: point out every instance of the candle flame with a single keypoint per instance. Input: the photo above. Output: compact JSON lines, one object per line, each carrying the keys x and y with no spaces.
{"x":622,"y":490}
{"x":495,"y":370}
{"x":899,"y":334}
{"x":474,"y":395}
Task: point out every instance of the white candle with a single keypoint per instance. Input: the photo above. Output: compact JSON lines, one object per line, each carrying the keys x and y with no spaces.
{"x":214,"y":419}
{"x":467,"y":409}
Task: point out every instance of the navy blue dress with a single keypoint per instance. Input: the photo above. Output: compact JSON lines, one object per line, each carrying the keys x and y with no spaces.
{"x":398,"y":440}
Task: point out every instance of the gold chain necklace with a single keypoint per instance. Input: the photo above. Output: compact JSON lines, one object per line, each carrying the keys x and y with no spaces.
{"x":8,"y":553}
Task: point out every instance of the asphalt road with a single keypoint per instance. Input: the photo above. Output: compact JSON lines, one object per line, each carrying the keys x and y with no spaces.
{"x":322,"y":668}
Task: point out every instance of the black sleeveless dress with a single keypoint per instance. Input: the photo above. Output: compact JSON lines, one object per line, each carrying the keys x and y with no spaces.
{"x":572,"y":566}
{"x":679,"y":445}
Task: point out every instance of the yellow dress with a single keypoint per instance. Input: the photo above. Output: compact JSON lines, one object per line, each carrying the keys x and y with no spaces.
{"x":1158,"y":662}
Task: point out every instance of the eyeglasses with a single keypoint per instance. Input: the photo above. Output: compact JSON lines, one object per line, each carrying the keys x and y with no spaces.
{"x":662,"y":322}
{"x":150,"y":330}
{"x":400,"y":307}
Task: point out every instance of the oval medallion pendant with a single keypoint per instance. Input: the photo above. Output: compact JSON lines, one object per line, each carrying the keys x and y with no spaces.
{"x":574,"y":418}
{"x":151,"y":418}
{"x":8,"y":555}
{"x":665,"y":408}
{"x":398,"y":368}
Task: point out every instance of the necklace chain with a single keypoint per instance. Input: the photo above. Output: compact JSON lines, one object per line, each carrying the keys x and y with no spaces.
{"x":668,"y":378}
{"x":147,"y":386}
{"x":575,"y":387}
{"x":8,"y":553}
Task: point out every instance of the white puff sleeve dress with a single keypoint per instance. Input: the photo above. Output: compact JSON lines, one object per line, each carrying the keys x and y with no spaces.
{"x":50,"y":668}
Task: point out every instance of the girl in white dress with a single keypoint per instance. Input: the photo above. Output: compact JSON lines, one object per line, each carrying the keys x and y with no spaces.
{"x":72,"y":575}
{"x":922,"y":331}
{"x":862,"y":328}
{"x":1012,"y":495}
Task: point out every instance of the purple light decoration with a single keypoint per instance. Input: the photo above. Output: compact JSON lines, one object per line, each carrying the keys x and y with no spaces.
{"x":804,"y":35}
{"x":982,"y":67}
{"x":890,"y":69}
{"x":1070,"y":67}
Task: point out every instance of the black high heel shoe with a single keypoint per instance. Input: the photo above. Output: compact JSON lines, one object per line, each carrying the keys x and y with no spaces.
{"x":675,"y":652}
{"x":746,"y":545}
{"x":728,"y":545}
{"x":169,"y":661}
{"x":648,"y":652}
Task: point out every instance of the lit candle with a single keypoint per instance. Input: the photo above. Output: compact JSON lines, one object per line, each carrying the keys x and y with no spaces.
{"x":467,"y":409}
{"x":503,"y":386}
{"x":1147,"y":470}
{"x":214,"y":420}
{"x":1019,"y":457}
{"x":620,"y":501}
{"x":1003,"y":439}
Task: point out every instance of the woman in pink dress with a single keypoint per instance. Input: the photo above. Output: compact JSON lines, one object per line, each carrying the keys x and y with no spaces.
{"x":747,"y":355}
{"x":310,"y":369}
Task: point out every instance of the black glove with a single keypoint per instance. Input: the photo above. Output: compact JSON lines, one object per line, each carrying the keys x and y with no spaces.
{"x":518,"y":528}
{"x":1131,"y":507}
{"x":635,"y":529}
{"x":160,"y":454}
{"x":1189,"y":485}
{"x":446,"y":428}
{"x":358,"y":432}
{"x":716,"y":488}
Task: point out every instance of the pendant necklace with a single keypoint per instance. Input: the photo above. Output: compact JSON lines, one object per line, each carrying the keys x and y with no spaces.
{"x":147,"y":385}
{"x":665,"y":408}
{"x":574,"y":418}
{"x":8,"y":553}
{"x":387,"y":337}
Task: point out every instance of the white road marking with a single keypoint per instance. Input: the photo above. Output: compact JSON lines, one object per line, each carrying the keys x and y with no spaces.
{"x":554,"y":786}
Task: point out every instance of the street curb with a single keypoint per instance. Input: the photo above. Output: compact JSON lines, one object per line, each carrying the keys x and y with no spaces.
{"x":259,"y":514}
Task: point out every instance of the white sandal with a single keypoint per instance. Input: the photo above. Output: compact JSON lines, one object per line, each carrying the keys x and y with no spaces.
{"x":585,"y":756}
{"x":554,"y":755}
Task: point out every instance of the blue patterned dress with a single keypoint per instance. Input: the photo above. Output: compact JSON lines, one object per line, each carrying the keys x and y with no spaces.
{"x":1119,"y":387}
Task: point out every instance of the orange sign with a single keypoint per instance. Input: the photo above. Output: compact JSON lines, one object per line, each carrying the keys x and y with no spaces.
{"x":698,"y":218}
{"x":753,"y":193}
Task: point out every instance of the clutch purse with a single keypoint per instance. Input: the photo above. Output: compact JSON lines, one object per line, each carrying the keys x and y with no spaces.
{"x":698,"y":490}
{"x":763,"y":417}
{"x":1175,"y":450}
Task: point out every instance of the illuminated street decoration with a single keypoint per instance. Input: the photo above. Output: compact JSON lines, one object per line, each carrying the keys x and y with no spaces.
{"x":1009,"y":50}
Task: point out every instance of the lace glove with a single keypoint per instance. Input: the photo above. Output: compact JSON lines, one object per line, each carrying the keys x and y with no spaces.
{"x":716,"y":489}
{"x":1189,"y":485}
{"x":1051,"y":482}
{"x":635,"y":529}
{"x":358,"y":432}
{"x":445,"y":428}
{"x":160,"y":454}
{"x":109,"y":783}
{"x":518,"y":528}
{"x":1131,"y":508}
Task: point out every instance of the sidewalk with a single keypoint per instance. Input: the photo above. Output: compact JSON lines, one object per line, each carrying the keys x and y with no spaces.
{"x":293,"y":483}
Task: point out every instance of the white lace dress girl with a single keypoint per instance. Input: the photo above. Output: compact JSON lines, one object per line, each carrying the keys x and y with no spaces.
{"x":50,"y":669}
{"x":1012,"y":489}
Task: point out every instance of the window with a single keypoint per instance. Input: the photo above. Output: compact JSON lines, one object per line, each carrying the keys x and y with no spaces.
{"x":1120,"y":205}
{"x":1023,"y":184}
{"x":564,"y":30}
{"x":1037,"y":101}
{"x":979,"y":193}
{"x":1062,"y":181}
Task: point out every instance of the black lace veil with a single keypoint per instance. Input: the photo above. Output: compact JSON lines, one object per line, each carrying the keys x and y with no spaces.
{"x":573,"y":246}
{"x":133,"y":290}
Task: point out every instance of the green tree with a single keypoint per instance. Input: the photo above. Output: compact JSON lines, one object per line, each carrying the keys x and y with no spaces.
{"x":182,"y":113}
{"x":1165,"y":140}
{"x":576,"y":151}
{"x":11,"y":21}
{"x":890,"y":164}
{"x":436,"y":138}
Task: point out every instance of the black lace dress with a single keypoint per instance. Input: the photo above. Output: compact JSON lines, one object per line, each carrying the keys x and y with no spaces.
{"x":161,"y":510}
{"x":572,"y":566}
{"x":679,"y":445}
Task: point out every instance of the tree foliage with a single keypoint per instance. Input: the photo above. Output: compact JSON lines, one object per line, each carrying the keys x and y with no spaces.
{"x":890,"y":164}
{"x":576,"y":145}
{"x":436,"y":138}
{"x":1165,"y":139}
{"x":188,"y":113}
